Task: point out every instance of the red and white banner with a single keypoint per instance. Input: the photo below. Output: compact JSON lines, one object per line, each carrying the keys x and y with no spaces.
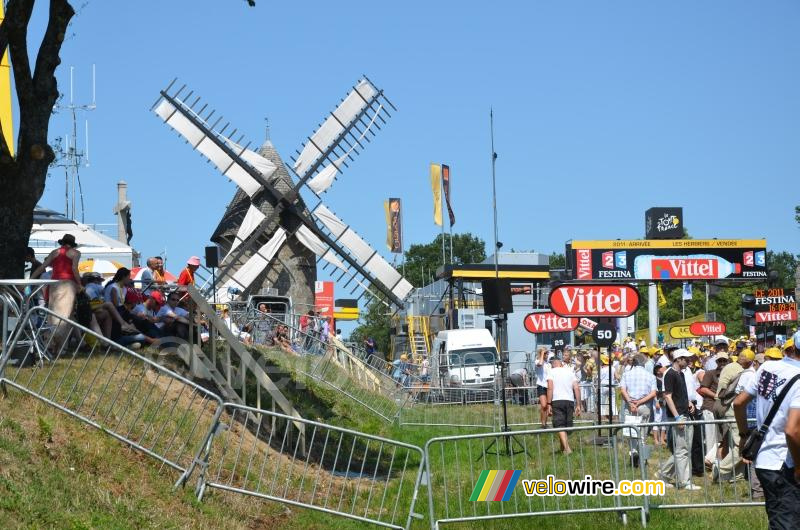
{"x":548,"y":323}
{"x":707,"y":329}
{"x":593,"y":300}
{"x":323,"y":298}
{"x":587,"y":323}
{"x":776,"y":316}
{"x":583,"y":264}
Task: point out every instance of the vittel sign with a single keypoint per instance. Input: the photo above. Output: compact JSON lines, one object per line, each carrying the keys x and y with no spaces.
{"x":704,"y":329}
{"x":548,"y":323}
{"x":594,"y":300}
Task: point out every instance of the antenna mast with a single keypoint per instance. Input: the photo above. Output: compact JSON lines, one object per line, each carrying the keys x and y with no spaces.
{"x":69,"y":157}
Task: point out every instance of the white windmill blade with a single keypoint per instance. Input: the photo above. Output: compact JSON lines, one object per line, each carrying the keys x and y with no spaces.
{"x":251,"y":221}
{"x":348,"y":111}
{"x":243,"y":278}
{"x":364,"y":255}
{"x":199,"y":140}
{"x":315,"y":245}
{"x":323,"y":180}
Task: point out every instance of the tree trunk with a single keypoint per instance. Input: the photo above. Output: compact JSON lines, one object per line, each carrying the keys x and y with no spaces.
{"x":22,"y":179}
{"x":16,"y":220}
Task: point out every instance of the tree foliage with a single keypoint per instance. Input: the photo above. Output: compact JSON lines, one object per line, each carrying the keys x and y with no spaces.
{"x":375,"y":321}
{"x":426,"y":258}
{"x":23,"y":175}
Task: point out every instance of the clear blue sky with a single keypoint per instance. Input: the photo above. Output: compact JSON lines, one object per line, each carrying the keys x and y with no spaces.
{"x":602,"y":109}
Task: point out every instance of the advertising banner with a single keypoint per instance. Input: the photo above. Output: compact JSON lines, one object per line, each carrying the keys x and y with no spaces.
{"x":323,"y":298}
{"x":669,"y":259}
{"x":548,"y":323}
{"x":706,"y":329}
{"x":775,"y":305}
{"x":594,"y":300}
{"x":446,"y":188}
{"x":394,"y":225}
{"x":663,"y":223}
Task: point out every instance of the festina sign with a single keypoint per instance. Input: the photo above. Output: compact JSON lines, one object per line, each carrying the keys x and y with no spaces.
{"x":775,"y":305}
{"x":706,"y":329}
{"x":549,"y":323}
{"x":594,"y":300}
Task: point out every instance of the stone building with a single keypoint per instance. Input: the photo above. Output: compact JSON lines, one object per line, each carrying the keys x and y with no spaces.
{"x":293,"y":271}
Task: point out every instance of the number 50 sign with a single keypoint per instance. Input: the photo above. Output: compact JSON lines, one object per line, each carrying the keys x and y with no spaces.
{"x":604,"y":334}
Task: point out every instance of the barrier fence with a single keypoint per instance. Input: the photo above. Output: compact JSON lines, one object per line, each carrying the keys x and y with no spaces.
{"x":727,"y":482}
{"x":340,"y":471}
{"x":450,"y":407}
{"x":455,"y":465}
{"x":111,"y":388}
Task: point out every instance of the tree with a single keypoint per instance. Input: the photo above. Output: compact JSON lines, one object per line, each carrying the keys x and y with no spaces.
{"x":797,"y":214}
{"x":22,"y":176}
{"x":557,"y":261}
{"x":428,"y":257}
{"x":376,"y":323}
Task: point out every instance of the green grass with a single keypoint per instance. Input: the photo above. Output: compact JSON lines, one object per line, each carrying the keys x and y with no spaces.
{"x":56,"y":472}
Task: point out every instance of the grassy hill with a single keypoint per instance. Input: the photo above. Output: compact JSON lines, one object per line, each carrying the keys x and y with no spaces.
{"x":56,"y":472}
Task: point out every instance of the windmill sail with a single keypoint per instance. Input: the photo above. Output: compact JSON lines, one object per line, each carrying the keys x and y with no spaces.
{"x":343,"y":132}
{"x":322,"y":232}
{"x":367,"y":257}
{"x":199,"y":140}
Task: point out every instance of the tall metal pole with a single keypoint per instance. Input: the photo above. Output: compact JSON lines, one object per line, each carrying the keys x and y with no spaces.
{"x":494,"y":194}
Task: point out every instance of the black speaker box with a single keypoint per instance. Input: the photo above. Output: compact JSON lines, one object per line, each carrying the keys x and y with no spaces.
{"x":497,"y":297}
{"x":212,"y":257}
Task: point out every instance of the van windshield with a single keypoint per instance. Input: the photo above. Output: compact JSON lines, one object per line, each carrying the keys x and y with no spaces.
{"x":472,"y":357}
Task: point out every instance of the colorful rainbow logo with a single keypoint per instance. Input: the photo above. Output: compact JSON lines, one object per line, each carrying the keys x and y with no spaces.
{"x":495,"y":485}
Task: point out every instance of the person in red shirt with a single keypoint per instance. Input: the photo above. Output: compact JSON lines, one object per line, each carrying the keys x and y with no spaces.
{"x":61,"y":296}
{"x":187,"y":275}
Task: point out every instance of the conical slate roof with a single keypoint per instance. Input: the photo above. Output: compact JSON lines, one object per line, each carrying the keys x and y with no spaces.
{"x":293,"y":271}
{"x":234,"y":214}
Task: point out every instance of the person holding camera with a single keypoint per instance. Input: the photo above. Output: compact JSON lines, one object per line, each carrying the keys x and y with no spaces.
{"x":774,"y":447}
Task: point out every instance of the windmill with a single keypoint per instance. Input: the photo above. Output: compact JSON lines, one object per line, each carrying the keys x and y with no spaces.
{"x":338,"y":139}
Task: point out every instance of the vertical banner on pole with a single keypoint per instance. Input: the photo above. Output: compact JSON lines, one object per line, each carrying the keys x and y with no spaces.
{"x":395,"y":225}
{"x":436,"y":187}
{"x":446,"y":187}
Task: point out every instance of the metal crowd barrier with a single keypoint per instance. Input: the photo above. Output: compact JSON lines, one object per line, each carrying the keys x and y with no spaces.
{"x":729,"y":482}
{"x":382,"y":400}
{"x":338,"y":471}
{"x":450,"y":407}
{"x":455,"y":466}
{"x":112,"y":388}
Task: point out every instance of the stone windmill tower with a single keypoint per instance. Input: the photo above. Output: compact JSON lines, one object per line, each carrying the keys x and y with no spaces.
{"x":271,"y":235}
{"x":293,"y":270}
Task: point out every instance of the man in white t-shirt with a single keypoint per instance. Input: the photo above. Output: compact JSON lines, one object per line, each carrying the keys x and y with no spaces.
{"x":564,"y":397}
{"x":780,"y":450}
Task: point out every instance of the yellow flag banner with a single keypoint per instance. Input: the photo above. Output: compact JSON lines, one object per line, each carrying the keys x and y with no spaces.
{"x":6,"y":116}
{"x":436,"y":187}
{"x":662,"y":300}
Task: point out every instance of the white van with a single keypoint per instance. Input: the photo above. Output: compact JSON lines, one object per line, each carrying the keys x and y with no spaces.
{"x":464,"y":358}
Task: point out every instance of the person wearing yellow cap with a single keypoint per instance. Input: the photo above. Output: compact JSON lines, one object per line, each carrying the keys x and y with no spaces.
{"x":726,"y":393}
{"x":777,"y":463}
{"x":773,"y":354}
